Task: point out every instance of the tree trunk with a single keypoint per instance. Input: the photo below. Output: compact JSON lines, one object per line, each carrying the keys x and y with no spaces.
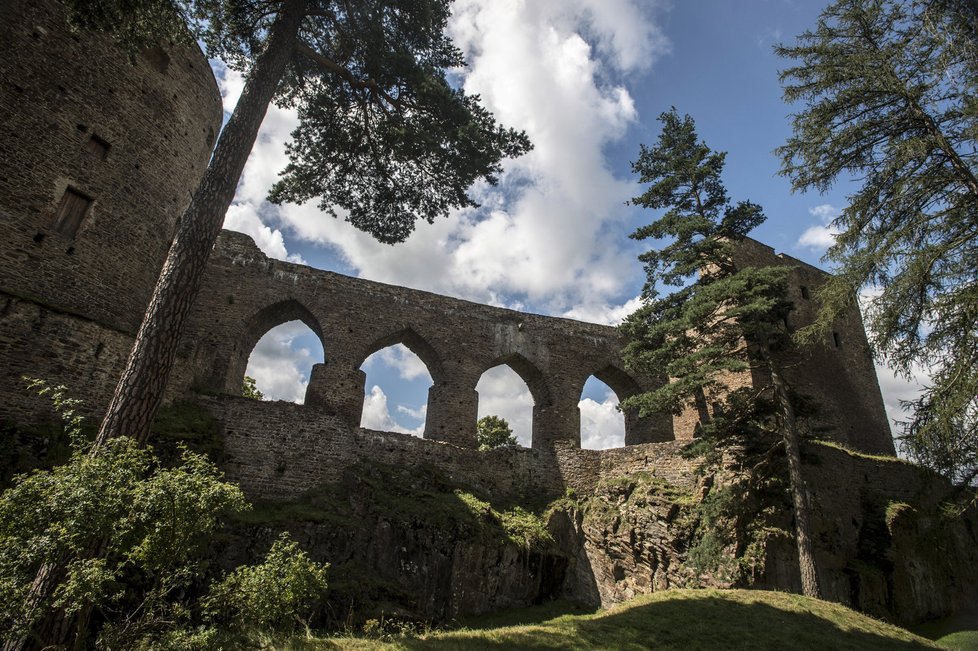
{"x":140,"y":390}
{"x":803,"y":528}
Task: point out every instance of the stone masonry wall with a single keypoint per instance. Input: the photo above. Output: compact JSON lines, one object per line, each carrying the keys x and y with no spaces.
{"x":133,"y":138}
{"x":245,"y":294}
{"x":838,"y":373}
{"x":278,"y":450}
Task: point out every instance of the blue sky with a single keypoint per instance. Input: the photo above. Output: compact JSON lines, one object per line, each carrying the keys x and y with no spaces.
{"x":586,"y":79}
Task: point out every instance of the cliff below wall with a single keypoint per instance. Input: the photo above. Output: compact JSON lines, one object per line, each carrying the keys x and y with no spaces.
{"x":429,"y":530}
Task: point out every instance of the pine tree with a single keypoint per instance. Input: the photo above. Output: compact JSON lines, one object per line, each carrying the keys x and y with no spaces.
{"x":383,"y":137}
{"x":724,"y":319}
{"x":888,"y":97}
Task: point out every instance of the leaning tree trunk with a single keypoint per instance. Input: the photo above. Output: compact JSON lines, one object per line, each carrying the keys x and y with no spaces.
{"x":140,"y":390}
{"x":803,"y":528}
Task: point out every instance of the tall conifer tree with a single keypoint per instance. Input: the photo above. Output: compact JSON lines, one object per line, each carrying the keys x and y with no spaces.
{"x":889,"y":97}
{"x":724,"y":319}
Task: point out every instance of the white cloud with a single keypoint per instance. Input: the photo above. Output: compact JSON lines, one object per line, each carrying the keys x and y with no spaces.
{"x":545,"y":236}
{"x":605,"y":314}
{"x":244,"y":218}
{"x":503,"y":393}
{"x":408,"y":365}
{"x":281,"y":368}
{"x":418,"y":414}
{"x":602,"y":425}
{"x":249,"y":212}
{"x":376,"y":414}
{"x":896,"y":388}
{"x":821,"y":236}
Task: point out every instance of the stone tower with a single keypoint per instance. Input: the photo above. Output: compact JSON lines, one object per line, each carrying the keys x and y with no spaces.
{"x":98,"y":157}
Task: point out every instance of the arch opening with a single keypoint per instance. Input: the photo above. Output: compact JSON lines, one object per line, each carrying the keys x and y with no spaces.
{"x":602,"y":423}
{"x":511,"y":389}
{"x":396,"y":390}
{"x":281,"y":361}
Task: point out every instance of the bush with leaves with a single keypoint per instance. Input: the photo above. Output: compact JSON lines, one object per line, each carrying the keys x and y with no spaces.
{"x":123,"y":541}
{"x":273,"y":596}
{"x":129,"y":534}
{"x":494,"y":432}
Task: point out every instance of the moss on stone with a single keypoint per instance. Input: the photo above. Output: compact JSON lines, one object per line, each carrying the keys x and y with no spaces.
{"x":190,"y":424}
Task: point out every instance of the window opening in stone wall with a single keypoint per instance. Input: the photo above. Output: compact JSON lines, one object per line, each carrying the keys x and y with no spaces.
{"x":502,"y":392}
{"x":282,"y":361}
{"x":396,"y":391}
{"x":98,"y":147}
{"x":837,"y":340}
{"x":804,"y":293}
{"x":602,"y":424}
{"x":70,"y":213}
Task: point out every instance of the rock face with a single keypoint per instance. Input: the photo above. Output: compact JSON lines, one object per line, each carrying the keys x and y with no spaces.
{"x":629,"y":538}
{"x":886,"y":542}
{"x":408,"y":544}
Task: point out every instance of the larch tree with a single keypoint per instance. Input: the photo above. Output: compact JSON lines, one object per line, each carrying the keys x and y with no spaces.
{"x":888,"y":95}
{"x":383,"y":138}
{"x":723,"y":319}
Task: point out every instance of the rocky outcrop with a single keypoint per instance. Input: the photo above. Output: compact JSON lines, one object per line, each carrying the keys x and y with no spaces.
{"x":629,"y":538}
{"x":405,"y":543}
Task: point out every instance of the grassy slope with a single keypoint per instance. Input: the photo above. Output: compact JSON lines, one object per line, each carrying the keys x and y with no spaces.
{"x":678,"y":619}
{"x":959,"y":632}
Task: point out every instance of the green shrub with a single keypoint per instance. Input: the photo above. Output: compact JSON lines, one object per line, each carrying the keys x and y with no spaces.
{"x":273,"y":596}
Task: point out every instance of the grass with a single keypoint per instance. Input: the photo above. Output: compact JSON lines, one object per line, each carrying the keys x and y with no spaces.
{"x":958,"y":632}
{"x":674,"y":619}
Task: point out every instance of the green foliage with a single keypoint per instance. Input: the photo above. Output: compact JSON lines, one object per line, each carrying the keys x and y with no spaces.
{"x":128,"y":533}
{"x":383,"y":137}
{"x":698,"y":334}
{"x":494,"y":432}
{"x":888,"y":96}
{"x":249,"y":390}
{"x":943,"y":435}
{"x":273,"y":596}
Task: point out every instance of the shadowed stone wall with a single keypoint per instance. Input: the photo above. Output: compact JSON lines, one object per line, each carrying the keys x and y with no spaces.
{"x":246,"y":294}
{"x":77,"y":118}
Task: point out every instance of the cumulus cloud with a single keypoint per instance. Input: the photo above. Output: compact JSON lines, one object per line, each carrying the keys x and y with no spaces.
{"x":602,"y":425}
{"x":605,"y":314}
{"x":503,"y":393}
{"x":376,"y":414}
{"x":249,"y":212}
{"x":407,"y":365}
{"x":280,"y":367}
{"x":821,"y":236}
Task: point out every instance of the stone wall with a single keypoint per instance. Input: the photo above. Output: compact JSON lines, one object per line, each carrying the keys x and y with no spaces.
{"x":838,"y":372}
{"x":132,"y":138}
{"x":245,"y":294}
{"x":278,"y":450}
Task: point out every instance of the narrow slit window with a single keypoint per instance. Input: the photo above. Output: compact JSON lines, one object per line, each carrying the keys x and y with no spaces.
{"x":71,"y":211}
{"x":804,"y":293}
{"x":98,"y":147}
{"x":837,"y":339}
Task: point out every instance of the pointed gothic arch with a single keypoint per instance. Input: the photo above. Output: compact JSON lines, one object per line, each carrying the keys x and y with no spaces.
{"x":256,"y":327}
